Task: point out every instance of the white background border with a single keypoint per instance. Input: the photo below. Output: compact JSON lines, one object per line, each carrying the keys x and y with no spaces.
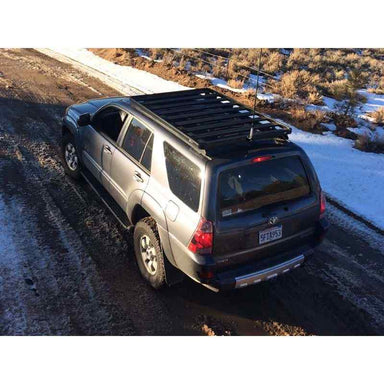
{"x":191,"y":24}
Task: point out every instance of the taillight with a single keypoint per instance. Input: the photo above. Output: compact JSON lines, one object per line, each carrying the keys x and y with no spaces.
{"x":260,"y":159}
{"x":322,"y":203}
{"x":202,"y":239}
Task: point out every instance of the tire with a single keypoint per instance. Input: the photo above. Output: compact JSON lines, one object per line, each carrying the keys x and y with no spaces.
{"x":71,"y":161}
{"x":153,"y":270}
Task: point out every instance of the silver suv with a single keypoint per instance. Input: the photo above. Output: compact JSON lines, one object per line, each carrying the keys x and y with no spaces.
{"x":209,"y":187}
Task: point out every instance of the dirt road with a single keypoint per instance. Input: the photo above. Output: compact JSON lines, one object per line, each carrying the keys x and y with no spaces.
{"x":67,"y":267}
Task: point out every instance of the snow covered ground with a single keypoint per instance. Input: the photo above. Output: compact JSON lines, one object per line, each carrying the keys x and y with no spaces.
{"x":269,"y":97}
{"x":354,"y":178}
{"x":374,"y":102}
{"x":128,"y":76}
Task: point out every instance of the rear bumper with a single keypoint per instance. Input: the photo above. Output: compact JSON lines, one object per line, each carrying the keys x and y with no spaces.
{"x":261,"y":270}
{"x":268,"y":273}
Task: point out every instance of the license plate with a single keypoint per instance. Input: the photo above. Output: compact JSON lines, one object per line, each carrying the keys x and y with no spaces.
{"x":270,"y":234}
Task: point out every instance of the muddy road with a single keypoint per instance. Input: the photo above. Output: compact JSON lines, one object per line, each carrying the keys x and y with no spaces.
{"x":67,"y":267}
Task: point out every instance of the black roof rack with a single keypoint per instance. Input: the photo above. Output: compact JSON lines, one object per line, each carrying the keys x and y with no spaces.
{"x":206,"y":119}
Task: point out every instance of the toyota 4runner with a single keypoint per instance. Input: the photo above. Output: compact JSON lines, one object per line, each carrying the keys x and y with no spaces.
{"x":208,"y":186}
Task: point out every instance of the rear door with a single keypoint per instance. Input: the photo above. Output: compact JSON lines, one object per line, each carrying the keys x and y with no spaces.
{"x":184,"y":195}
{"x":131,"y":162}
{"x":266,"y":205}
{"x":99,"y":141}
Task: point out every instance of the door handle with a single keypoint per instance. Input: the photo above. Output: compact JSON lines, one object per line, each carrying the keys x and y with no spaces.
{"x":137,"y":177}
{"x":107,"y":149}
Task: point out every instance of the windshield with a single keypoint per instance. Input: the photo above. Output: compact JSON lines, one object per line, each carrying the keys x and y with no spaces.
{"x":252,"y":186}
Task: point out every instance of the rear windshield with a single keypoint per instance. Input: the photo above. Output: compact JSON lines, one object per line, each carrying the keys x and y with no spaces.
{"x":256,"y":185}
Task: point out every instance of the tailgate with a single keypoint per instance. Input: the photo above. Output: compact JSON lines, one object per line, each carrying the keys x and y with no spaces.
{"x":264,"y":208}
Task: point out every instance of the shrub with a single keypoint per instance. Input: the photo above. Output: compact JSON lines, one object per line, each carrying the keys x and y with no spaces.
{"x":273,"y":62}
{"x":220,"y":69}
{"x":308,"y":120}
{"x":378,"y":91}
{"x":236,"y":83}
{"x":343,"y":121}
{"x":206,"y":68}
{"x":378,"y":116}
{"x":370,"y":143}
{"x":183,"y":63}
{"x":345,"y":91}
{"x":315,"y":98}
{"x":298,"y":85}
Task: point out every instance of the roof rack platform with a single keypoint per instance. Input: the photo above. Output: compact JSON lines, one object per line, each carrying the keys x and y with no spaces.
{"x":206,"y":119}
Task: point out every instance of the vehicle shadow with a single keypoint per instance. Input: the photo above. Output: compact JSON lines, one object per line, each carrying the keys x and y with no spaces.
{"x":298,"y":303}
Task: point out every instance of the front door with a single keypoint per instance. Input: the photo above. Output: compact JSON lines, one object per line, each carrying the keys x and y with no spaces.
{"x":99,"y":141}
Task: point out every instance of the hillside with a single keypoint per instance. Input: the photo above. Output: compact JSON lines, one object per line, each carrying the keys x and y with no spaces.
{"x":317,"y":90}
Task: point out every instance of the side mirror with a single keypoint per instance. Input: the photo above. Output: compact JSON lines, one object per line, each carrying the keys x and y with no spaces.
{"x":84,"y":120}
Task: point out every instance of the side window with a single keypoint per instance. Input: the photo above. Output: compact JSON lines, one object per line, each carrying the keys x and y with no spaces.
{"x":146,"y":160}
{"x":136,"y":139}
{"x":183,"y":177}
{"x":110,"y":121}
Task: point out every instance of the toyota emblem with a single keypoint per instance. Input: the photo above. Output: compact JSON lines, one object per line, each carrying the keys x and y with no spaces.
{"x":273,"y":220}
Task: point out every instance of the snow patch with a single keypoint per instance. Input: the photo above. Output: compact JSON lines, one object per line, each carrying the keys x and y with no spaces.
{"x":348,"y":175}
{"x":146,"y":82}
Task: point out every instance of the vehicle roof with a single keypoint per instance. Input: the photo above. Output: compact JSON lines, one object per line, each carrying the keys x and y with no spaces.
{"x":209,"y":122}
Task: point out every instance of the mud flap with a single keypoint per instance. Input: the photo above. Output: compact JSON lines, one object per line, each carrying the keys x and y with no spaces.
{"x":172,"y":274}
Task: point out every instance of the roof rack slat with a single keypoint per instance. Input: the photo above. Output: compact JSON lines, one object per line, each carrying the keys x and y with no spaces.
{"x":225,"y":116}
{"x":206,"y":144}
{"x":176,"y":117}
{"x":198,"y":107}
{"x":186,"y":98}
{"x":174,"y":104}
{"x":239,"y":128}
{"x":219,"y":124}
{"x":164,"y":95}
{"x":221,"y":132}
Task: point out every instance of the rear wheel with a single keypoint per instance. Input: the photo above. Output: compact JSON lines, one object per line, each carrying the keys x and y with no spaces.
{"x":149,"y":255}
{"x":70,"y":157}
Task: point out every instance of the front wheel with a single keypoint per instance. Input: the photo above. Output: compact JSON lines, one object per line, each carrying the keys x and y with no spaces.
{"x":149,"y":255}
{"x":70,"y":157}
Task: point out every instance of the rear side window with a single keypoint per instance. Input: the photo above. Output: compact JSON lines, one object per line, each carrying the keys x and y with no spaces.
{"x":183,"y":177}
{"x":146,"y":160}
{"x":256,"y":185}
{"x":136,"y":139}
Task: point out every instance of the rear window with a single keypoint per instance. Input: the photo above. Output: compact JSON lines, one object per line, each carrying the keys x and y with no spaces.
{"x":183,"y":177}
{"x":256,"y":185}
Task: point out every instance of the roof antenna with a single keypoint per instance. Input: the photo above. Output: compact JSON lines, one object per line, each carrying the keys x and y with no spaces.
{"x":250,"y":137}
